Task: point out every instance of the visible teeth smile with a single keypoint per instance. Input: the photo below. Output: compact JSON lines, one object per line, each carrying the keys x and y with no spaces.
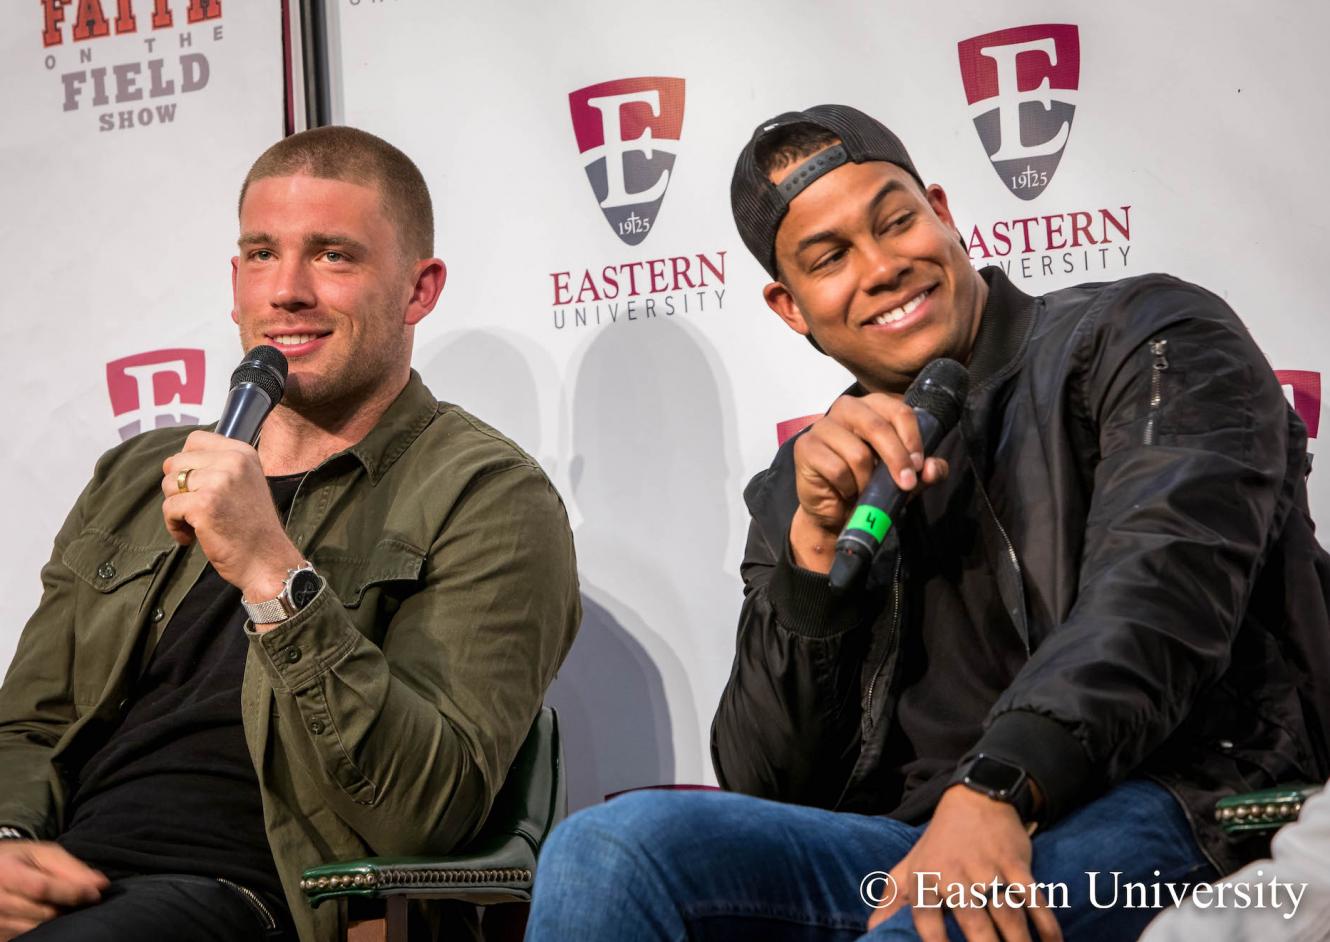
{"x":290,"y":340}
{"x":895,"y":314}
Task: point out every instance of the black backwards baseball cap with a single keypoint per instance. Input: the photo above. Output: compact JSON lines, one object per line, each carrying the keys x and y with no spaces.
{"x":759,"y":205}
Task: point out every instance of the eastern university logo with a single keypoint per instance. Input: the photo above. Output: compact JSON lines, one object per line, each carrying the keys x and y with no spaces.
{"x":1021,"y":87}
{"x":627,"y":132}
{"x":153,"y":390}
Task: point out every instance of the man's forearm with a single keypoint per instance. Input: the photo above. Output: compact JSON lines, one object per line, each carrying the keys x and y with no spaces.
{"x":412,"y":732}
{"x":788,"y":720}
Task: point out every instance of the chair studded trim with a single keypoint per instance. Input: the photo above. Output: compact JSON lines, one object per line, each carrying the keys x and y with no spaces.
{"x":1264,"y":810}
{"x":390,"y":878}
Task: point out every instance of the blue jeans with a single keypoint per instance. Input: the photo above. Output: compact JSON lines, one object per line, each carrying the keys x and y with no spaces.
{"x":713,"y":865}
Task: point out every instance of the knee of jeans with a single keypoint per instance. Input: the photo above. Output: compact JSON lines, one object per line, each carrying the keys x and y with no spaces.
{"x":585,"y":850}
{"x":618,"y":829}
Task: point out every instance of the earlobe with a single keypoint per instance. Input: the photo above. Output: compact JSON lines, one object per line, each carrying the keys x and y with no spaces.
{"x":430,"y":277}
{"x":235,"y":305}
{"x":780,"y":300}
{"x":937,"y":198}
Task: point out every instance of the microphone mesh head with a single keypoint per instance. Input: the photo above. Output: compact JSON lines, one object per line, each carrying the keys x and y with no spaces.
{"x":265,"y":367}
{"x":940,"y":390}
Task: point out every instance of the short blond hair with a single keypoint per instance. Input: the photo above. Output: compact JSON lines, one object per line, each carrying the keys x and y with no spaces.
{"x":355,"y":156}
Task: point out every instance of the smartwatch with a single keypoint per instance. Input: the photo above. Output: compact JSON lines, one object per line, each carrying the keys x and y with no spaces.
{"x":1002,"y":781}
{"x":301,"y":586}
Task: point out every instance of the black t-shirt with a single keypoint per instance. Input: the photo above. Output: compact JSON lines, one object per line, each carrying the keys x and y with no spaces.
{"x":173,"y":789}
{"x":962,"y":650}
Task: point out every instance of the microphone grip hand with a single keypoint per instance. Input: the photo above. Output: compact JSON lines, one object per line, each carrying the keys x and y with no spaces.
{"x":226,"y":506}
{"x":876,"y":510}
{"x":836,"y":459}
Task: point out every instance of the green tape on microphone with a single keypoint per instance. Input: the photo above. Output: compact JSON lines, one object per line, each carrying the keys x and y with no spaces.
{"x":870,"y":520}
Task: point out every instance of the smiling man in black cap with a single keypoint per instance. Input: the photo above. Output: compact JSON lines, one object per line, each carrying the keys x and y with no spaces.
{"x":1078,"y":635}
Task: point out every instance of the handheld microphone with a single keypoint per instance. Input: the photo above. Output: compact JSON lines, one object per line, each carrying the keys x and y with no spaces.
{"x":256,"y":387}
{"x":937,"y":396}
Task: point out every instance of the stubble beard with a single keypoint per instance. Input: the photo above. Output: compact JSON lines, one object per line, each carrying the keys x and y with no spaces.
{"x":332,"y":398}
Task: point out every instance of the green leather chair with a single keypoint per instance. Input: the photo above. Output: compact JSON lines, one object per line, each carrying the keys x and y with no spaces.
{"x":497,"y":867}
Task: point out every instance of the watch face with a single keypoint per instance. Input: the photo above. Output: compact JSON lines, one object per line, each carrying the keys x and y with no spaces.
{"x":305,"y":584}
{"x":995,"y":776}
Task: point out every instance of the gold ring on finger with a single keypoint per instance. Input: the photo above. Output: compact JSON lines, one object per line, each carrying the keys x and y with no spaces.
{"x":182,"y":481}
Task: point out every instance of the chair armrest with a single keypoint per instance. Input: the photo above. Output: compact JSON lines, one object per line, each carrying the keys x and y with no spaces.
{"x":501,"y":876}
{"x":1266,"y":810}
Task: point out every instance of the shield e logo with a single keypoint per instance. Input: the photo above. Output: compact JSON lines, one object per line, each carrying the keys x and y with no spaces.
{"x":1021,"y":86}
{"x":156,"y":389}
{"x":627,"y":132}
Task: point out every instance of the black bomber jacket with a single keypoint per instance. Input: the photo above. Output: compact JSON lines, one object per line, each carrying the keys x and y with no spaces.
{"x":1140,"y":485}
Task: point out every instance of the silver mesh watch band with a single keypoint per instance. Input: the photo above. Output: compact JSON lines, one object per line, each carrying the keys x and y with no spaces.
{"x":265,"y":613}
{"x":280,"y":608}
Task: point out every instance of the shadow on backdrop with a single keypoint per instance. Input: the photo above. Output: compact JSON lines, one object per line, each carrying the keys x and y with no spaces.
{"x":614,"y":719}
{"x":649,"y":477}
{"x":493,"y":376}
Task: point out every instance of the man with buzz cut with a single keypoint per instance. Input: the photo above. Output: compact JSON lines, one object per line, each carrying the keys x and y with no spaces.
{"x":248,"y":661}
{"x":1104,"y":608}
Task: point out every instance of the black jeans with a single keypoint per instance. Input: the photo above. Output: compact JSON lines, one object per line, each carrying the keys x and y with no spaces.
{"x":169,"y":908}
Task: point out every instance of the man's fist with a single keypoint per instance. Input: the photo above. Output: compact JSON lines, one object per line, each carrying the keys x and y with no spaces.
{"x":227,"y":506}
{"x":834,"y":460}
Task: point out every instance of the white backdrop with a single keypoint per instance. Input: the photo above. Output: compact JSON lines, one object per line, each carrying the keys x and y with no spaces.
{"x":119,"y":167}
{"x":1192,"y":137}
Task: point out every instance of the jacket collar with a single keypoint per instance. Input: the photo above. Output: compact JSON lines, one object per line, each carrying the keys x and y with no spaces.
{"x":1004,"y":328}
{"x":410,"y":413}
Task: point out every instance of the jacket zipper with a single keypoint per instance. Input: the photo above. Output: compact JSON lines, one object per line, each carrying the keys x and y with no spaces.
{"x":1159,"y":348}
{"x":269,"y":921}
{"x":1019,"y":617}
{"x":891,"y":642}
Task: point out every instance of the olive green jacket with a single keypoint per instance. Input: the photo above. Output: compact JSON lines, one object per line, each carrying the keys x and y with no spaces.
{"x":381,"y":718}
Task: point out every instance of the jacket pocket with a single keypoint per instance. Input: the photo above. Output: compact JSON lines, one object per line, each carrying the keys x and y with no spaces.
{"x":1251,"y":717}
{"x":106,"y":563}
{"x":372,"y":586}
{"x":114,"y":579}
{"x":1197,"y":394}
{"x":355,"y":577}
